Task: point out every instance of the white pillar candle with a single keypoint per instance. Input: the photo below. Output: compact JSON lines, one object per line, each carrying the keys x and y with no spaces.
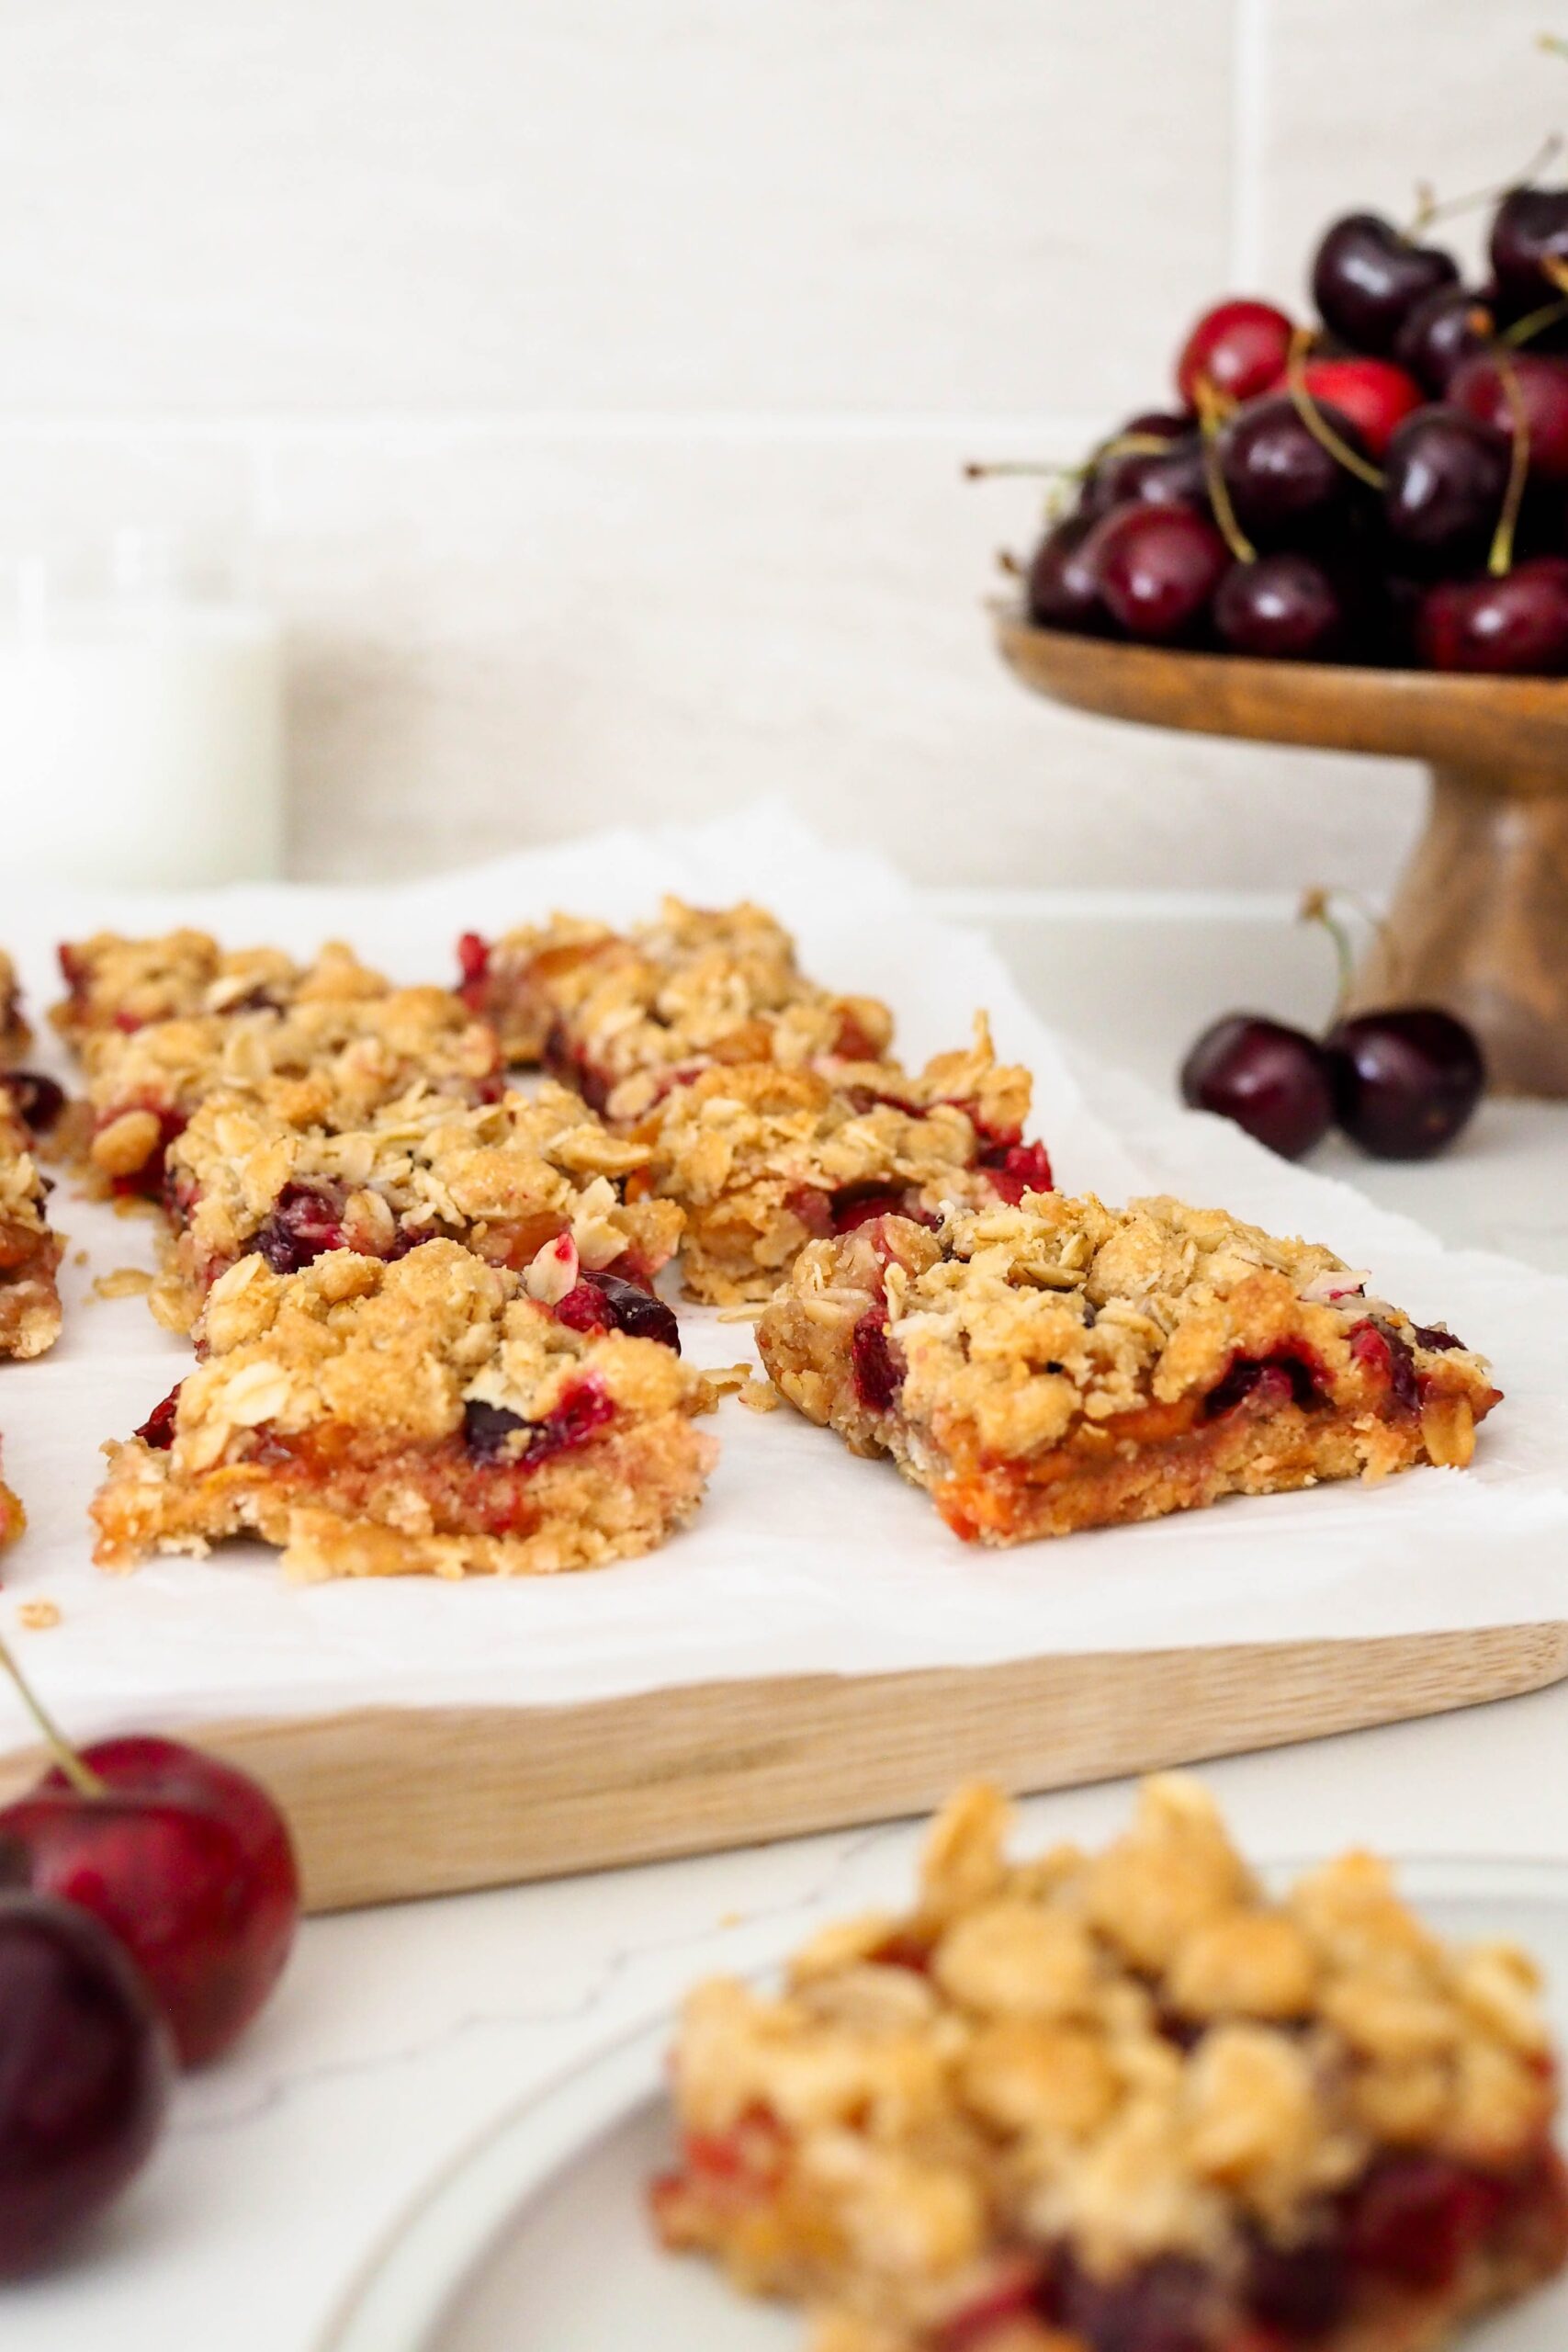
{"x":141,"y":738}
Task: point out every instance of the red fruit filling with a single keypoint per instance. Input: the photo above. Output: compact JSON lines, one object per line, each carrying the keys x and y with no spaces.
{"x":306,"y":1220}
{"x":856,"y":1204}
{"x":1438,"y":1342}
{"x":877,"y":1362}
{"x":1379,"y":1344}
{"x":487,"y":1429}
{"x":605,"y":1302}
{"x":1264,"y":1383}
{"x":1019,"y":1168}
{"x":158,"y":1429}
{"x":473,"y":965}
{"x":146,"y":1182}
{"x":1418,"y":2218}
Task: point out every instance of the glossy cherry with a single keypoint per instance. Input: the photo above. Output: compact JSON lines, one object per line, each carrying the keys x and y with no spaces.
{"x":1268,"y":1078}
{"x":1283,"y":607}
{"x":185,"y":1858}
{"x":1286,"y":488}
{"x":1172,"y":475}
{"x":1239,"y":348}
{"x":1405,"y":1082}
{"x":1373,"y":393}
{"x":1515,"y":625}
{"x":1441,"y":331}
{"x":85,"y":2071}
{"x":1529,"y":229}
{"x":1367,"y":278}
{"x":1445,"y":476}
{"x":1063,"y":591}
{"x":1157,"y":568}
{"x":1486,"y":387}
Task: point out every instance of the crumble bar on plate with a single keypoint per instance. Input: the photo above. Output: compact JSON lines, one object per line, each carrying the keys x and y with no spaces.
{"x":1125,"y":2102}
{"x":15,"y":1035}
{"x":1062,"y":1365}
{"x":502,"y":1178}
{"x":620,"y":1017}
{"x":430,"y":1414}
{"x":123,"y":984}
{"x":29,"y":1249}
{"x":763,"y":1159}
{"x":345,"y":1058}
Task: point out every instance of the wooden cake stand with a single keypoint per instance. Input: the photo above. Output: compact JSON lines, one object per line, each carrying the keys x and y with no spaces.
{"x":1480,"y":921}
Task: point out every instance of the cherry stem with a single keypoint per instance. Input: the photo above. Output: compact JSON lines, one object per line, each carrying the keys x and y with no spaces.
{"x":1313,"y":417}
{"x":1316,"y":906}
{"x":1427,"y":207}
{"x":1535,"y":322}
{"x":1500,"y":562}
{"x":1034,"y":469}
{"x":1007,"y":562}
{"x":1211,"y":408}
{"x":82,"y":1777}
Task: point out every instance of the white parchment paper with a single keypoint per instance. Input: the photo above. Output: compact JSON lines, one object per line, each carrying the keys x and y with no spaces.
{"x":802,"y":1557}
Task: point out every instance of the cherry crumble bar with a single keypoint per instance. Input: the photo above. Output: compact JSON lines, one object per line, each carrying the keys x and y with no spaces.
{"x":764,"y":1160}
{"x":123,"y":984}
{"x":1062,"y":1365}
{"x":1125,"y":2102}
{"x":30,"y":1250}
{"x":433,"y":1414}
{"x":15,"y":1035}
{"x":622,"y":1017}
{"x":502,"y":1178}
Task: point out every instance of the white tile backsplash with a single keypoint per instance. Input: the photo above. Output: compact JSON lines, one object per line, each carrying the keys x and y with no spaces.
{"x":598,"y":373}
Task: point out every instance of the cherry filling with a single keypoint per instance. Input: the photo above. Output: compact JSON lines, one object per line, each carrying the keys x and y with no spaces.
{"x":605,"y":1302}
{"x":877,"y":1362}
{"x":1304,"y":2291}
{"x":856,"y":1204}
{"x":1018,"y":1168}
{"x":1418,"y":2219}
{"x":1167,"y":2306}
{"x":487,"y":1429}
{"x":473,"y":966}
{"x":146,"y":1182}
{"x":1264,"y":1384}
{"x":158,"y":1429}
{"x":1438,"y":1342}
{"x":306,"y":1220}
{"x":1378,"y":1344}
{"x":37,"y":1099}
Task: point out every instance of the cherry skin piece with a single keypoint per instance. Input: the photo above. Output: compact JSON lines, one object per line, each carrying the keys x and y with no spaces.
{"x":1442,"y":330}
{"x":36,"y":1099}
{"x":1516,"y":626}
{"x":1480,"y":388}
{"x":1284,"y":607}
{"x":1157,"y":568}
{"x":1239,"y":347}
{"x":1405,"y":1082}
{"x":1445,"y":475}
{"x":183,"y":1859}
{"x":1062,"y":592}
{"x":1269,"y":1079}
{"x":1286,"y":488}
{"x":85,"y":2071}
{"x":1530,"y":226}
{"x":1366,"y":279}
{"x":1373,"y":393}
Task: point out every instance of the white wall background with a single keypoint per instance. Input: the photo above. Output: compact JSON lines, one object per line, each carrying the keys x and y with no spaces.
{"x":596,"y":375}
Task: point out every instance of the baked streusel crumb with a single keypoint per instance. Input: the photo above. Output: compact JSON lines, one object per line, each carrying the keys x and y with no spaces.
{"x":30,"y":1251}
{"x":1125,"y":2102}
{"x":328,"y":1063}
{"x":623,"y":1016}
{"x":113,"y":982}
{"x":432,"y":1414}
{"x":763,"y":1159}
{"x":502,"y":1178}
{"x":15,"y":1035}
{"x":1060,"y":1365}
{"x":13,"y":1517}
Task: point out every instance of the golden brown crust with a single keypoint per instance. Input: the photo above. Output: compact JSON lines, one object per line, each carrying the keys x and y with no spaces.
{"x":29,"y":1249}
{"x":430,"y":1413}
{"x":15,"y":1035}
{"x":13,"y":1517}
{"x":1104,"y":2063}
{"x":502,"y":1178}
{"x":1060,"y":1364}
{"x":123,"y":984}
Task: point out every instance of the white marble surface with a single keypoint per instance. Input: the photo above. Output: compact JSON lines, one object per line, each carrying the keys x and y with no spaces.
{"x":399,"y":2034}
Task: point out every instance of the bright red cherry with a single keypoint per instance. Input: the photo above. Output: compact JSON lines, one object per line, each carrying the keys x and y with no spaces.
{"x":1157,"y":569}
{"x":1516,"y":626}
{"x":1373,"y":393}
{"x":185,"y":1860}
{"x":85,"y":2073}
{"x":1482,"y":389}
{"x":1270,"y":1078}
{"x":1239,"y":347}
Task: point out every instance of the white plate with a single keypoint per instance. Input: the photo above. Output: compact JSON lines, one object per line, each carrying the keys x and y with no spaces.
{"x":536,"y":2239}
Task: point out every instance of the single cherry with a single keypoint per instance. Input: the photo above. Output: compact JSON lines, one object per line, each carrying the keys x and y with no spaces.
{"x":1157,"y":569}
{"x":1405,"y":1082}
{"x":1443,"y":329}
{"x":1286,"y":488}
{"x":1172,"y":475}
{"x":1239,"y":348}
{"x":1282,"y":607}
{"x":1367,"y":278}
{"x":1515,"y":625}
{"x":1063,"y":592}
{"x":1487,"y":386}
{"x":1530,"y":232}
{"x":1268,"y":1078}
{"x":85,"y":2073}
{"x":1445,"y":477}
{"x":1373,"y":393}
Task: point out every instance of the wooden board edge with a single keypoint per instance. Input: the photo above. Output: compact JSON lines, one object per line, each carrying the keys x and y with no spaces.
{"x":389,"y":1803}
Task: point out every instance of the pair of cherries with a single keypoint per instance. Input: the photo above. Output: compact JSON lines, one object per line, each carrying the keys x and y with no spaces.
{"x":149,"y":1896}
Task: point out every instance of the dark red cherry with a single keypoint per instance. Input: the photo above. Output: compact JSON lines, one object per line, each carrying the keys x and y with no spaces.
{"x":1445,"y":475}
{"x":1063,"y":592}
{"x":1405,"y":1082}
{"x":1173,"y":475}
{"x":877,"y":1362}
{"x":1366,"y":279}
{"x":1239,"y":347}
{"x":1157,"y":569}
{"x":1529,"y":228}
{"x":85,"y":2071}
{"x":605,"y":1302}
{"x":1418,"y":2218}
{"x":1516,"y":626}
{"x":185,"y":1860}
{"x":1283,"y":607}
{"x":1373,"y":393}
{"x":1286,"y":488}
{"x":1486,"y":386}
{"x":306,"y":1220}
{"x":36,"y":1099}
{"x":1442,"y":330}
{"x":1268,"y":1078}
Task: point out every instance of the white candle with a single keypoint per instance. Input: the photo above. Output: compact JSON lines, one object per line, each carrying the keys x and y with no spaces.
{"x":141,"y":738}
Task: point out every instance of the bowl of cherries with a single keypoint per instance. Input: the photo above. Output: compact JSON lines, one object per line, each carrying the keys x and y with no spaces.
{"x":1351,"y":530}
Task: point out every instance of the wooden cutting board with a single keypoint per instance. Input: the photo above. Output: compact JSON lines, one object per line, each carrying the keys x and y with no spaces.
{"x":392,"y":1803}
